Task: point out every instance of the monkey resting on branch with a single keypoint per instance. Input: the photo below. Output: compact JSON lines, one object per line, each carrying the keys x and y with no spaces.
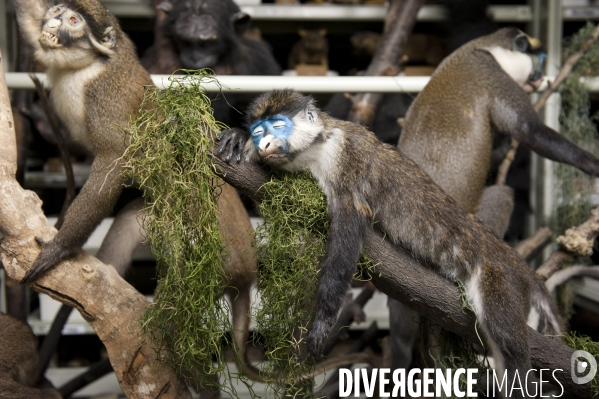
{"x":368,"y":182}
{"x":107,"y":302}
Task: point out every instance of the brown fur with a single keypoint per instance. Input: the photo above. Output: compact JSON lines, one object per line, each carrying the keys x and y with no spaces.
{"x":449,"y":128}
{"x":311,"y":49}
{"x":19,"y":362}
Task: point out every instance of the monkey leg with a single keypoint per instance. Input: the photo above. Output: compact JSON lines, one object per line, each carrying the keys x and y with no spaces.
{"x":403,"y":331}
{"x":240,"y":267}
{"x":124,"y":237}
{"x":241,"y":330}
{"x":501,"y":318}
{"x":495,"y":208}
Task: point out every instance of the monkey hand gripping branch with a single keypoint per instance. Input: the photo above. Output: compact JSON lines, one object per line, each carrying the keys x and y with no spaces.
{"x":366,"y":182}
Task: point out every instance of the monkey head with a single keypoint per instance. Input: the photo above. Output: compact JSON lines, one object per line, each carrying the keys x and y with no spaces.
{"x":282,"y":124}
{"x":314,"y":40}
{"x":75,"y":32}
{"x":520,"y":56}
{"x":203,"y":30}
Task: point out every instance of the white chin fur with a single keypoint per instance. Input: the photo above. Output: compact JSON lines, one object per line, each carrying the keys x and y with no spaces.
{"x":516,"y":64}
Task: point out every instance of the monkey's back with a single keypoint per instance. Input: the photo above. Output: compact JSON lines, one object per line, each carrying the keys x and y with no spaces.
{"x":119,"y":94}
{"x":416,"y":214}
{"x":448,"y":130}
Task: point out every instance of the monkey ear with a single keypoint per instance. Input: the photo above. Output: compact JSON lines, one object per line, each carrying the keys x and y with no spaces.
{"x":521,"y":43}
{"x":165,"y":6}
{"x":301,"y":32}
{"x":322,"y":32}
{"x":108,"y":42}
{"x":311,"y":114}
{"x":240,"y":21}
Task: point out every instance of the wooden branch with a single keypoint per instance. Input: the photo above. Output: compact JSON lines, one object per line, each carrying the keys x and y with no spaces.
{"x":530,"y":247}
{"x":553,"y":86}
{"x":401,"y":17}
{"x":576,"y":241}
{"x":398,"y":275}
{"x":568,"y":273}
{"x":109,"y":304}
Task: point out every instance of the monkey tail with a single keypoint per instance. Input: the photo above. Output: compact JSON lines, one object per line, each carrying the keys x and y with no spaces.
{"x":543,"y":315}
{"x":241,"y":331}
{"x":241,"y":321}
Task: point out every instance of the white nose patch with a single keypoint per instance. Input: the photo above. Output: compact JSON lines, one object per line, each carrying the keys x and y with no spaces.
{"x":53,"y":23}
{"x":265,"y":142}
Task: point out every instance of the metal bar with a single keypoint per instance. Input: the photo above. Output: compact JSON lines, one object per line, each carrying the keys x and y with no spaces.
{"x":330,"y":12}
{"x":307,"y":84}
{"x":244,"y":84}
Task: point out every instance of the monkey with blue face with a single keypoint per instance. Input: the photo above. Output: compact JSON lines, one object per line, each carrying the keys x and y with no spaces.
{"x":366,"y":183}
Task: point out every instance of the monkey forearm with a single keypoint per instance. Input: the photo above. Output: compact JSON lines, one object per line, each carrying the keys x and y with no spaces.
{"x":30,"y":14}
{"x":554,"y":146}
{"x":344,"y":244}
{"x":94,"y":202}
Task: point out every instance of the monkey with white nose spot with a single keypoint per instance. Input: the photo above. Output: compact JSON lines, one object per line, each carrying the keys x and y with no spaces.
{"x":368,"y":183}
{"x":97,"y":86}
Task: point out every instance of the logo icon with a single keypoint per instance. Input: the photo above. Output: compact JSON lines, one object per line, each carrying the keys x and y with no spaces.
{"x":583,"y":362}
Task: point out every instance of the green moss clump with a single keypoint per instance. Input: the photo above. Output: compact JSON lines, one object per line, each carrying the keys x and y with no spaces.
{"x":170,"y":158}
{"x":290,"y":244}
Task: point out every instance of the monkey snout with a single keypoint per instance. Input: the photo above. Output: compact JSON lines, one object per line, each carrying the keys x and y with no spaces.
{"x":270,"y":145}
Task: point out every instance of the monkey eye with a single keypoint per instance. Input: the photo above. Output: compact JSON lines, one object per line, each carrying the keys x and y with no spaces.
{"x":258,"y":131}
{"x":279,"y":124}
{"x":74,"y":20}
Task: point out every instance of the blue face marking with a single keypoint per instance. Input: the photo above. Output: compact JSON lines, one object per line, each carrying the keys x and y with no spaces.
{"x":538,"y":74}
{"x":279,"y":126}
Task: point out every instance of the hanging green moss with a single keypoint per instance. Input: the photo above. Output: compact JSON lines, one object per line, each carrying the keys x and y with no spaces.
{"x":170,"y":158}
{"x":290,"y":243}
{"x":585,"y":343}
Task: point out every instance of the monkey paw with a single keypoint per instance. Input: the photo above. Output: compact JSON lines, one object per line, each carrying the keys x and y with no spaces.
{"x":315,"y":340}
{"x":235,"y":139}
{"x":51,"y":254}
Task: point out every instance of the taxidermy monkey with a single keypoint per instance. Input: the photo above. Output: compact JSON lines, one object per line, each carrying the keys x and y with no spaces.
{"x":365,"y":182}
{"x":312,"y":48}
{"x":475,"y":93}
{"x":19,"y":362}
{"x":97,"y":84}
